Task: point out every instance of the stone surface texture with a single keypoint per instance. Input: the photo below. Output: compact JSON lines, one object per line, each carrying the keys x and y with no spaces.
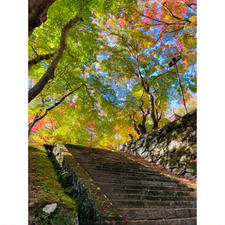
{"x":139,"y":194}
{"x":50,"y":208}
{"x":172,"y":146}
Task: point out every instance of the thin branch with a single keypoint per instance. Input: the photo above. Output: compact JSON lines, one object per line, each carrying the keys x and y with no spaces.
{"x":189,"y":5}
{"x":34,"y":50}
{"x":160,"y":34}
{"x":158,"y":76}
{"x":87,"y":89}
{"x":39,"y":117}
{"x":161,"y":22}
{"x":173,"y":15}
{"x":38,"y":59}
{"x":173,"y":31}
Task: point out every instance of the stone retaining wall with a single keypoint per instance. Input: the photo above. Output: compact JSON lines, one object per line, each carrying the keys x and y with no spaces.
{"x":173,"y":146}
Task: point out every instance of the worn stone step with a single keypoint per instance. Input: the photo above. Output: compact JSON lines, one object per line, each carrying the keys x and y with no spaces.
{"x":154,"y":214}
{"x":137,"y":178}
{"x":140,"y":186}
{"x":122,"y":167}
{"x":131,"y":174}
{"x":145,"y":191}
{"x":180,"y":221}
{"x":149,"y":204}
{"x":154,"y":193}
{"x":121,"y":178}
{"x":150,"y":197}
{"x":124,"y":180}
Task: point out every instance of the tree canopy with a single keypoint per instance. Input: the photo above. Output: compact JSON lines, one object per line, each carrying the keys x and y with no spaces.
{"x":98,"y":70}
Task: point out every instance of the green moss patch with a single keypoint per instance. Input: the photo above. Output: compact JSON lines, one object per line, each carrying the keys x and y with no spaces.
{"x":44,"y":188}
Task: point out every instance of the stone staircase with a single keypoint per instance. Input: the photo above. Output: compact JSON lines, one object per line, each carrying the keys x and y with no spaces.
{"x":143,"y":196}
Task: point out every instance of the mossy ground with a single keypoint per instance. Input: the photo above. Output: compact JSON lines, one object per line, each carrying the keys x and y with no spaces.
{"x":44,"y":188}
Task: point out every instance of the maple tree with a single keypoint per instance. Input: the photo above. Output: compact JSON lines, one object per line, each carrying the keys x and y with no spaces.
{"x":118,"y":53}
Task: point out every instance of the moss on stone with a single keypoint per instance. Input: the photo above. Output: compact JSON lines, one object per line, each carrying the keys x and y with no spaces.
{"x":44,"y":188}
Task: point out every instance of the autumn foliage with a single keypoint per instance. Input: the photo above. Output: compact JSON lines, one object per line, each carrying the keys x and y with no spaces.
{"x":116,"y":57}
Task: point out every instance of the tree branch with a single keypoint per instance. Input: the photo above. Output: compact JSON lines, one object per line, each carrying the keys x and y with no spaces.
{"x":49,"y":74}
{"x":38,"y":59}
{"x":134,"y":122}
{"x":188,"y":4}
{"x":39,"y":117}
{"x":161,"y":22}
{"x":173,"y":15}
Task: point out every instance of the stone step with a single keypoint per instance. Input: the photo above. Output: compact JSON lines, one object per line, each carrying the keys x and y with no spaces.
{"x":150,"y":197}
{"x":121,"y":168}
{"x":112,"y":165}
{"x":179,"y":221}
{"x":131,"y":174}
{"x":149,"y":204}
{"x":138,"y":186}
{"x":155,"y":214}
{"x":155,"y":193}
{"x":114,"y":160}
{"x":136,"y":177}
{"x":145,"y":191}
{"x":132,"y":180}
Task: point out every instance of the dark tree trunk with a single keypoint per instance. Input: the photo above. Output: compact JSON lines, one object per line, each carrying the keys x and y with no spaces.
{"x":152,"y":114}
{"x":37,"y":13}
{"x":136,"y":129}
{"x":50,"y":73}
{"x":152,"y":109}
{"x":131,"y":136}
{"x":142,"y":129}
{"x":146,"y":89}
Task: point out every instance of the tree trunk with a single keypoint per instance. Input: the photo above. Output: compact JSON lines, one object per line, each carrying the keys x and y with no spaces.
{"x":131,"y":137}
{"x":49,"y":74}
{"x":146,"y":88}
{"x":37,"y":13}
{"x":136,"y":129}
{"x":142,"y":129}
{"x":181,"y":89}
{"x":152,"y":114}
